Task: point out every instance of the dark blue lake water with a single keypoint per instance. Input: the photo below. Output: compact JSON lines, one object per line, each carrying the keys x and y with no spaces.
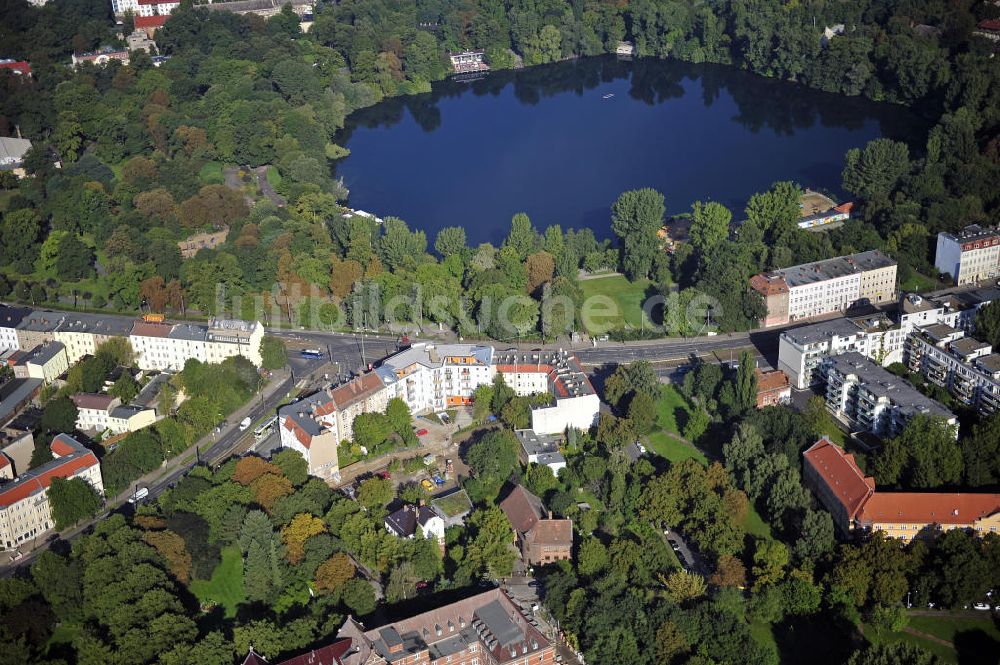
{"x":547,"y":142}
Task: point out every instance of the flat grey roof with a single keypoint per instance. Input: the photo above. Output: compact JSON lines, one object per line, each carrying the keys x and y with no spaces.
{"x":535,"y":444}
{"x":499,"y":624}
{"x":822,"y":331}
{"x":13,"y":393}
{"x":840,"y":266}
{"x":95,"y":324}
{"x":883,"y":383}
{"x":45,"y":352}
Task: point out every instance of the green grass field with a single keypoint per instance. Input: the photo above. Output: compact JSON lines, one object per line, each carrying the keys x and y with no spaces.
{"x":755,"y":525}
{"x":226,"y":586}
{"x":978,"y":631}
{"x":211,"y":173}
{"x":627,"y":298}
{"x":947,"y":627}
{"x":671,"y":404}
{"x":917,"y":282}
{"x":273,"y":176}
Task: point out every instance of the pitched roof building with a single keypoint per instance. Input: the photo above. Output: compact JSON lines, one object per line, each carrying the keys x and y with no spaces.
{"x":542,"y":539}
{"x":851,"y":498}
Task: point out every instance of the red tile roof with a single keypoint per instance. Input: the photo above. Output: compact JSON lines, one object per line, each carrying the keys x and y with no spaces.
{"x":146,"y":329}
{"x":328,"y":655}
{"x":522,"y":508}
{"x":552,"y":532}
{"x":768,"y":381}
{"x":845,"y":207}
{"x":141,"y":22}
{"x":841,"y":474}
{"x":4,"y":462}
{"x":768,"y":286}
{"x":19,"y":491}
{"x":20,"y":67}
{"x":928,"y":507}
{"x":356,"y":390}
{"x":991,"y":24}
{"x":63,"y":445}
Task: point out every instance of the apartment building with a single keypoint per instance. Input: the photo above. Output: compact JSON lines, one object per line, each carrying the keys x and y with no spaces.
{"x":36,"y":328}
{"x":10,"y":318}
{"x":851,"y":497}
{"x":436,"y":377}
{"x":964,"y":366}
{"x":801,"y":351}
{"x":166,"y":347}
{"x":489,"y":628}
{"x":24,"y":503}
{"x":574,"y":404}
{"x":46,"y":362}
{"x":315,"y":425}
{"x":873,"y":399}
{"x":82,"y":334}
{"x":971,"y":255}
{"x":825,"y":287}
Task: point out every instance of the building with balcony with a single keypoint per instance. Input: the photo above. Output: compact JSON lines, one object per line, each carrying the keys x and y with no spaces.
{"x":873,"y":399}
{"x":166,"y":347}
{"x":964,"y":366}
{"x":435,"y":377}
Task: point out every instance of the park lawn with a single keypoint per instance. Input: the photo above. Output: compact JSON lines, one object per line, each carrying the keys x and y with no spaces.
{"x":763,"y":633}
{"x":755,"y":525}
{"x":226,"y":586}
{"x":674,"y":450}
{"x":211,"y":173}
{"x":947,"y":627}
{"x":273,"y":177}
{"x":669,"y":404}
{"x":628,"y":298}
{"x":945,"y":653}
{"x":917,"y":282}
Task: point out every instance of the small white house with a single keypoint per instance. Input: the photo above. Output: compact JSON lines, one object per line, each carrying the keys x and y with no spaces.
{"x":403,"y":523}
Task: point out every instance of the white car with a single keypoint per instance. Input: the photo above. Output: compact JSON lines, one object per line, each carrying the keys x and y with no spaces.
{"x":642,"y":448}
{"x":981,"y":606}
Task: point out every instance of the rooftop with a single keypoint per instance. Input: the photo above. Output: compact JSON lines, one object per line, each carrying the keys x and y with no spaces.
{"x":72,"y":458}
{"x":94,"y":324}
{"x":43,"y":353}
{"x":14,"y":394}
{"x":429,"y":355}
{"x":10,"y":317}
{"x":840,"y":266}
{"x":150,"y":329}
{"x":884,"y":384}
{"x":841,"y":474}
{"x":822,"y":331}
{"x":537,"y":444}
{"x":565,"y":374}
{"x":523,"y":509}
{"x":95,"y":401}
{"x":929,"y":507}
{"x":13,"y":149}
{"x":972,"y":233}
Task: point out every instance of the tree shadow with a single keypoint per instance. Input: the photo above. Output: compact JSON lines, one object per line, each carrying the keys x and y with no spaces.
{"x":816,"y":640}
{"x":976,"y":647}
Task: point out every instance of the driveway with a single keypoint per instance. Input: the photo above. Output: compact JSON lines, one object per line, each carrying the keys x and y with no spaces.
{"x":684,"y":552}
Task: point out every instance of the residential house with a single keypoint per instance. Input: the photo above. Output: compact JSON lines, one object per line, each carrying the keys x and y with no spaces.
{"x":403,"y":523}
{"x":10,"y":318}
{"x":541,"y":538}
{"x":434,"y":377}
{"x":540,"y":449}
{"x":148,"y":25}
{"x":263,"y":8}
{"x":988,"y":28}
{"x":453,"y":507}
{"x":16,"y":67}
{"x":36,"y":328}
{"x":856,"y":505}
{"x":772,"y":388}
{"x":463,"y":62}
{"x":24,"y":504}
{"x":166,"y":347}
{"x":155,"y":7}
{"x":202,"y":240}
{"x":99,"y":412}
{"x":574,"y":403}
{"x":12,"y":152}
{"x":101,"y":57}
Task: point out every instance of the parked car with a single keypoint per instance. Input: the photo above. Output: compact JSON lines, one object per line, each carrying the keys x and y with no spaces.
{"x":421,"y":432}
{"x":427,"y":485}
{"x":981,"y":606}
{"x":422,"y":584}
{"x":642,"y":448}
{"x":535,"y":584}
{"x":384,"y":474}
{"x":438,"y":480}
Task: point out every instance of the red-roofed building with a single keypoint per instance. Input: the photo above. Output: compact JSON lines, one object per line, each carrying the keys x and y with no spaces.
{"x":772,"y":388}
{"x":18,"y":67}
{"x":542,"y":539}
{"x":851,"y":497}
{"x":989,"y":28}
{"x":149,"y":24}
{"x":24,"y":504}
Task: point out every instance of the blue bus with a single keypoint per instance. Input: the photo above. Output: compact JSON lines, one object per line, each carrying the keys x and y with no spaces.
{"x":311,"y":353}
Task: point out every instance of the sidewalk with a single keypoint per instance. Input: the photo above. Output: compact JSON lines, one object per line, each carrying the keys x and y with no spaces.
{"x":280,"y":380}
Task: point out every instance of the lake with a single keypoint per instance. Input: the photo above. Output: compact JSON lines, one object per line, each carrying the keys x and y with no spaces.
{"x":551,"y":141}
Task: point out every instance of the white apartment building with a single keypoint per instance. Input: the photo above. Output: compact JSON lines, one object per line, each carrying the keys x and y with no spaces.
{"x":574,"y":404}
{"x":802,"y":350}
{"x":964,"y":366}
{"x":970,"y":255}
{"x":46,"y":362}
{"x":10,"y":318}
{"x":435,"y":377}
{"x":873,"y":399}
{"x":104,"y":413}
{"x":147,"y":7}
{"x":166,"y":347}
{"x":825,"y":287}
{"x":24,"y":502}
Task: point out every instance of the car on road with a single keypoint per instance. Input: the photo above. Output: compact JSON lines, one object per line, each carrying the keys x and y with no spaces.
{"x":427,"y":485}
{"x":981,"y":606}
{"x":421,"y":432}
